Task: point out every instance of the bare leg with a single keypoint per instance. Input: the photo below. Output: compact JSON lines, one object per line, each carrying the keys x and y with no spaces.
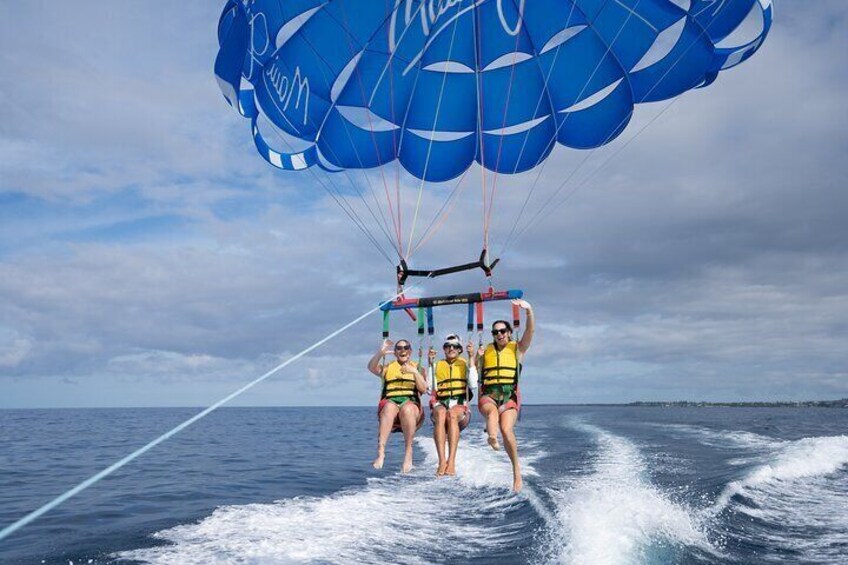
{"x":439,"y":413}
{"x":454,"y":416}
{"x":387,"y":419}
{"x":408,"y":424}
{"x":507,"y":422}
{"x":490,"y":412}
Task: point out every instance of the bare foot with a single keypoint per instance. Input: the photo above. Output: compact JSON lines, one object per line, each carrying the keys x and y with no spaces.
{"x":451,"y":469}
{"x":493,"y":441}
{"x":517,"y":483}
{"x":378,"y":462}
{"x":441,"y":470}
{"x":407,"y":464}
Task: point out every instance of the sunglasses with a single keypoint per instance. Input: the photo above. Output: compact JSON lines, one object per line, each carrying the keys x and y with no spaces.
{"x":500,"y":332}
{"x":452,"y":346}
{"x":403,"y":347}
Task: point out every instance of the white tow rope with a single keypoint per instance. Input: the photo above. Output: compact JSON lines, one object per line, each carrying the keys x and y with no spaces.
{"x":12,"y":528}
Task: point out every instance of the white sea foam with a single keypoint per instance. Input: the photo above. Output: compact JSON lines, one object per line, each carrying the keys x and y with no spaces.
{"x":795,"y":502}
{"x":614,"y":514}
{"x":389,"y":519}
{"x":807,"y":458}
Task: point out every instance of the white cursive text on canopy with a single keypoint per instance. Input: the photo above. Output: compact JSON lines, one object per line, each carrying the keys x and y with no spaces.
{"x":284,"y":86}
{"x":429,"y":16}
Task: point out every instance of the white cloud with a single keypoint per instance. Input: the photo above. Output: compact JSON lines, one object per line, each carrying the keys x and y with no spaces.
{"x":707,"y":260}
{"x":14,"y":348}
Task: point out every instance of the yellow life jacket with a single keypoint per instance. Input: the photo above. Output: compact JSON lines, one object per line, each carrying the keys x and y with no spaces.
{"x":397,"y":384}
{"x":500,"y":367}
{"x":451,"y":378}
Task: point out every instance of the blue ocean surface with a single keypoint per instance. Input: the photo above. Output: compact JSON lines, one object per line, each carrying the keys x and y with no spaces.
{"x":603,"y":485}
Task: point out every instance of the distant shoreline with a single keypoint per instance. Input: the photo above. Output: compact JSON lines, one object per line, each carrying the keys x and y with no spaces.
{"x":841,"y":403}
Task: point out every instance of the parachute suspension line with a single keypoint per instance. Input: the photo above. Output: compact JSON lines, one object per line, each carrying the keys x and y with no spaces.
{"x":395,"y":146}
{"x":403,"y":256}
{"x":388,"y":66}
{"x":478,"y":47}
{"x":346,"y":207}
{"x":358,"y":158}
{"x":503,"y":125}
{"x":553,"y":139}
{"x":546,"y":209}
{"x":544,"y":92}
{"x":439,"y":218}
{"x":384,"y":226}
{"x":97,"y":477}
{"x":398,"y":224}
{"x":350,"y":210}
{"x":432,"y":138}
{"x":544,"y":212}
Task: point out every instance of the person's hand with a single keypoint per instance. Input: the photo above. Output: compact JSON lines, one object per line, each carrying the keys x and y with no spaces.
{"x":481,"y":350}
{"x":523,"y":304}
{"x":431,"y":355}
{"x":387,"y":347}
{"x":472,"y":353}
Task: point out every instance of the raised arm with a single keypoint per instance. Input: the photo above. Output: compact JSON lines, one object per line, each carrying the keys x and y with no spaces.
{"x":374,"y":362}
{"x":527,"y":337}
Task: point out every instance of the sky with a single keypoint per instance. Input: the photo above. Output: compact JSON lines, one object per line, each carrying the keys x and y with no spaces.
{"x":150,"y":257}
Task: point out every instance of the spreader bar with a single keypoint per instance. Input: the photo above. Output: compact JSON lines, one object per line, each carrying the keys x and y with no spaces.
{"x":451,"y":299}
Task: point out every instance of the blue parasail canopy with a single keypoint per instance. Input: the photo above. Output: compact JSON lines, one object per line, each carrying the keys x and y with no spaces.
{"x":440,"y":84}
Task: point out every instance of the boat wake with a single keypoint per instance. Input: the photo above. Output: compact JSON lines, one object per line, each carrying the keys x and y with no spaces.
{"x":800,"y":492}
{"x":409,"y":516}
{"x":615,"y":515}
{"x":736,"y":439}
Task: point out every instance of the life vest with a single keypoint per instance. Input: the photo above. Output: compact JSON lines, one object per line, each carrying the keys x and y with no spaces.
{"x":398,"y":384}
{"x":500,"y":367}
{"x":451,"y":378}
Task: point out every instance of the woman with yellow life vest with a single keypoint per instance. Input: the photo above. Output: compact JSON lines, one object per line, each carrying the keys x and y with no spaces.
{"x":400,"y":400}
{"x":449,"y":399}
{"x":500,"y":399}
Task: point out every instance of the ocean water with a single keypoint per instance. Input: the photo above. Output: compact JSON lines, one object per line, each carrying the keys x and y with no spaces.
{"x":603,"y":485}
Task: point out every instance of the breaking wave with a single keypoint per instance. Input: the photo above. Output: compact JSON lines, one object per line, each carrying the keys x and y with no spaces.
{"x":615,"y":515}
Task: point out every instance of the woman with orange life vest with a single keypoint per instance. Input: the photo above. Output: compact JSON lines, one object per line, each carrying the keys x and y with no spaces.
{"x":400,"y":401}
{"x":449,"y":399}
{"x":500,"y":400}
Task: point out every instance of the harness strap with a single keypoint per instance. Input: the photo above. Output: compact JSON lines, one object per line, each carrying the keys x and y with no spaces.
{"x":386,"y":324}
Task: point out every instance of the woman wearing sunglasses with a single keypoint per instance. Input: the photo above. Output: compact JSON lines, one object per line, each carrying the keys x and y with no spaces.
{"x":449,"y":399}
{"x":400,"y":401}
{"x":500,"y":400}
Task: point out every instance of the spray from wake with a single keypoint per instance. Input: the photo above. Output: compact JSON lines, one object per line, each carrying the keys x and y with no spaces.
{"x":615,"y":515}
{"x":808,"y":458}
{"x":418,"y":517}
{"x":793,"y":504}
